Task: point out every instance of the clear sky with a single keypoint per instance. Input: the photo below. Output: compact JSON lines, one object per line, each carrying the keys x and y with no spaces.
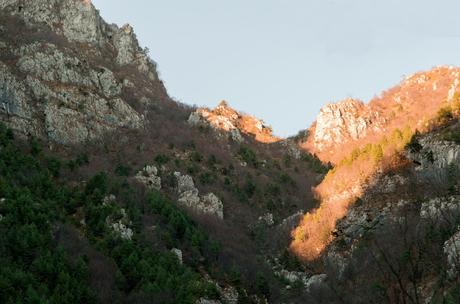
{"x":281,"y":60}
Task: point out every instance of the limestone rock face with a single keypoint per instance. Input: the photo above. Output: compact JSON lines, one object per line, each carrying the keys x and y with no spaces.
{"x":189,"y":196}
{"x":225,"y":118}
{"x":206,"y":301}
{"x":339,"y":122}
{"x":121,"y":226}
{"x":178,"y":253}
{"x":212,"y":204}
{"x":440,"y":209}
{"x":229,"y":295}
{"x":349,"y":124}
{"x":434,"y":158}
{"x":77,"y":20}
{"x":452,"y":252}
{"x":50,"y":90}
{"x":129,"y":52}
{"x":149,"y":177}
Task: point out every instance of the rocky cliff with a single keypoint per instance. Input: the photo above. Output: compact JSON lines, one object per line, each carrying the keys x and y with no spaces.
{"x":68,"y":76}
{"x":346,"y":125}
{"x":225,"y":118}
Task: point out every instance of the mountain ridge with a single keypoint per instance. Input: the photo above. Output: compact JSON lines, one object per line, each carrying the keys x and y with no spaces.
{"x":172,"y":204}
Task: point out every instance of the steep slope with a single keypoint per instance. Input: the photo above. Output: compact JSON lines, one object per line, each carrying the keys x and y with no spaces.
{"x":223,"y":117}
{"x":384,"y":230}
{"x":70,"y":77}
{"x":349,"y":124}
{"x":143,"y":189}
{"x":399,"y":242}
{"x":363,"y":140}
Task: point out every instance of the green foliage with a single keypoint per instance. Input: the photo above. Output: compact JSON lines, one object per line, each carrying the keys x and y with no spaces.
{"x":248,"y":156}
{"x":249,"y":187}
{"x":196,"y":157}
{"x":445,"y":114}
{"x":82,"y":159}
{"x":273,"y":190}
{"x":162,"y":159}
{"x":122,"y":170}
{"x":315,"y":163}
{"x":413,"y":145}
{"x":287,"y":180}
{"x":261,"y":285}
{"x":453,"y":136}
{"x":36,"y":270}
{"x":206,"y":178}
{"x":192,"y":169}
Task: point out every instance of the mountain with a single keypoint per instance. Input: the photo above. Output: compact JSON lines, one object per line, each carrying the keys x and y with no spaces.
{"x":68,"y":76}
{"x":225,"y":118}
{"x":104,"y":176}
{"x":344,"y":126}
{"x":388,"y":210}
{"x":111,"y":191}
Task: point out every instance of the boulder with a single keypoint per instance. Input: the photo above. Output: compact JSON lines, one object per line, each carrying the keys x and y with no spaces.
{"x":149,"y":177}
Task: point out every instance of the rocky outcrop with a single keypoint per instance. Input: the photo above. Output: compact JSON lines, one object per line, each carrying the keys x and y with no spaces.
{"x":178,"y":254}
{"x":224,"y":118}
{"x":49,"y":90}
{"x":121,"y":226}
{"x":77,"y":20}
{"x":434,"y":158}
{"x":267,"y":219}
{"x":452,"y":252}
{"x":149,"y":177}
{"x":189,"y":196}
{"x":349,"y":124}
{"x":340,"y":122}
{"x":206,"y":301}
{"x":440,"y":210}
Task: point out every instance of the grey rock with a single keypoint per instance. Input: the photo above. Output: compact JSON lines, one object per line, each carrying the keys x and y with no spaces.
{"x":452,"y":252}
{"x":229,"y":295}
{"x":178,"y":254}
{"x":121,"y":226}
{"x":435,"y":158}
{"x":211,"y":204}
{"x":149,"y":177}
{"x":189,"y":197}
{"x":206,"y":301}
{"x":77,"y":20}
{"x":440,"y":209}
{"x":184,"y":183}
{"x":267,"y":219}
{"x":315,"y":281}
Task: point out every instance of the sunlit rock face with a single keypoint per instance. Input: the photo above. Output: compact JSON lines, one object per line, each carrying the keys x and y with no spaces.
{"x":50,"y":90}
{"x":343,"y":126}
{"x":225,"y":118}
{"x":341,"y":121}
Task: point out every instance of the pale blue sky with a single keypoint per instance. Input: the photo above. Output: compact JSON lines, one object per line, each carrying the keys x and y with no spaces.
{"x":281,"y":60}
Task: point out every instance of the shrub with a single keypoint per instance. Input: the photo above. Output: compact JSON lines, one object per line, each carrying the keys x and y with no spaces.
{"x":445,"y":114}
{"x":206,"y":178}
{"x":122,"y":170}
{"x":196,"y":157}
{"x":414,"y":146}
{"x":248,"y":156}
{"x":162,"y":159}
{"x":249,"y":187}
